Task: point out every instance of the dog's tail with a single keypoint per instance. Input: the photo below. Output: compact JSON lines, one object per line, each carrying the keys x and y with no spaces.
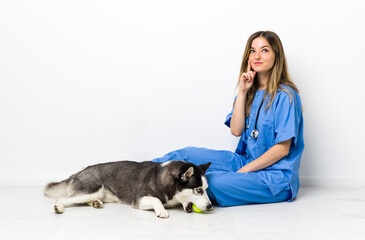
{"x":58,"y":189}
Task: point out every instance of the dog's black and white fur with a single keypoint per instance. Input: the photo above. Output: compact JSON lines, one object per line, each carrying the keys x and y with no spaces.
{"x":144,"y":185}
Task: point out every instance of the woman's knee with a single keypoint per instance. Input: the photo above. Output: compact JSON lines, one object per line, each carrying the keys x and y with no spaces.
{"x":194,"y":155}
{"x":184,"y":154}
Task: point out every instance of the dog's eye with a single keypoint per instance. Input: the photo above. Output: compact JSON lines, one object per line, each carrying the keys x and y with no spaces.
{"x":200,"y":191}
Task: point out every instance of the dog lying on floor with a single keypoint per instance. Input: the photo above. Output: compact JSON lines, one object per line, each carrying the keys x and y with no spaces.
{"x":144,"y":185}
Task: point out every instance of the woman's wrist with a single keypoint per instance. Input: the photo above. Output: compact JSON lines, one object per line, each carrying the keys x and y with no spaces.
{"x":244,"y":169}
{"x":242,"y":94}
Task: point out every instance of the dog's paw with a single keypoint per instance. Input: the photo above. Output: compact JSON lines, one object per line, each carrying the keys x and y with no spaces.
{"x":162,"y":213}
{"x":97,"y":203}
{"x":59,"y":208}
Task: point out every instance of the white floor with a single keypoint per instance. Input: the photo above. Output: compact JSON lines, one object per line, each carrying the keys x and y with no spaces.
{"x":318,"y":213}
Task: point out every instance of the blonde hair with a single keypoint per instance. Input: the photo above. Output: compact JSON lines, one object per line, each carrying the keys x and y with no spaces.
{"x":279,"y":73}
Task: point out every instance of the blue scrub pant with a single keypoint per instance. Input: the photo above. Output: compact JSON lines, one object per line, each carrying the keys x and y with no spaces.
{"x":226,"y":186}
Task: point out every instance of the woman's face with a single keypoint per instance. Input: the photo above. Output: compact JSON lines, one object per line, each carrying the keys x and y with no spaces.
{"x":262,"y":56}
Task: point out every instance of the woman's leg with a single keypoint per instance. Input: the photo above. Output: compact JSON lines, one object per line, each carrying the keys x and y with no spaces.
{"x":221,"y":160}
{"x":232,"y":189}
{"x":226,"y":186}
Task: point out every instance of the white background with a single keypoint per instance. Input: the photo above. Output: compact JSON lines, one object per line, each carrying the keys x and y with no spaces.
{"x":83,"y":82}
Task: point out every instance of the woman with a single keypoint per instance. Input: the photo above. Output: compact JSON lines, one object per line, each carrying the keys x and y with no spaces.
{"x":267,"y":115}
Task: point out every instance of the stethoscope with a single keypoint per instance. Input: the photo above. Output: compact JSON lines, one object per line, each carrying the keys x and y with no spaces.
{"x":255,"y":132}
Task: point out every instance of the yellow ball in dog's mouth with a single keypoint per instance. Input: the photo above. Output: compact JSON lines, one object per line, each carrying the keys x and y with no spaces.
{"x":196,"y":209}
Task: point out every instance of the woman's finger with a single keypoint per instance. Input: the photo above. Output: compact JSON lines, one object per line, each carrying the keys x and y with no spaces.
{"x":251,"y":75}
{"x":244,"y":76}
{"x":248,"y":66}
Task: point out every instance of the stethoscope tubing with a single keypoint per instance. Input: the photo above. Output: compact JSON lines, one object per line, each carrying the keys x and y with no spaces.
{"x":255,"y":132}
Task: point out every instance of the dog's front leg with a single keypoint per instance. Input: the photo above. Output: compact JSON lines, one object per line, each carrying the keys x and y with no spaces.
{"x":148,"y":203}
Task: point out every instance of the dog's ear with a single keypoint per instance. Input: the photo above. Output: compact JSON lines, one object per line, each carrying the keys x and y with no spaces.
{"x":204,"y":167}
{"x":186,"y":175}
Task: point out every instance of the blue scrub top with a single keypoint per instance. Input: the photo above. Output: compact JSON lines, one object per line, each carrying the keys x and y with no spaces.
{"x":281,"y":122}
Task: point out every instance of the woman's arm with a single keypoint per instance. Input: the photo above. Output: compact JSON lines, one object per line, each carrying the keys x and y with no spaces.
{"x":271,"y":156}
{"x":238,"y":116}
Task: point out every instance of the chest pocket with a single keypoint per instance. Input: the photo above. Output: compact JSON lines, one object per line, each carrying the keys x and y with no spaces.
{"x":266,"y":137}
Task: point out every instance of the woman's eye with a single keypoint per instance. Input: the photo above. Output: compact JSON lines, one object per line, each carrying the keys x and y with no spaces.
{"x":252,"y":51}
{"x":265,"y":50}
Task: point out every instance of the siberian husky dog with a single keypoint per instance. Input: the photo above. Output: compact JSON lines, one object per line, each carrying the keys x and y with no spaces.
{"x":144,"y":185}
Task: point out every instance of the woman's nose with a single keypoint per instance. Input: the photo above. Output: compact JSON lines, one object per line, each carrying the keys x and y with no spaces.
{"x":257,"y":55}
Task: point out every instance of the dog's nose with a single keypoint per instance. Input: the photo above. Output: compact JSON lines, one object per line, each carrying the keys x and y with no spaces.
{"x":210,"y":207}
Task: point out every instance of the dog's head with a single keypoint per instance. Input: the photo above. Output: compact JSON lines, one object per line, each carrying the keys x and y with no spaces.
{"x":192,"y":187}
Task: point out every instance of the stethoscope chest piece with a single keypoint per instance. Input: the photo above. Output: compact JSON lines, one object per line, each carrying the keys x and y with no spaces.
{"x":254,"y":133}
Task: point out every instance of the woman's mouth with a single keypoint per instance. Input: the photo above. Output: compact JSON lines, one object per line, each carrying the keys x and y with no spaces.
{"x":257,"y":63}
